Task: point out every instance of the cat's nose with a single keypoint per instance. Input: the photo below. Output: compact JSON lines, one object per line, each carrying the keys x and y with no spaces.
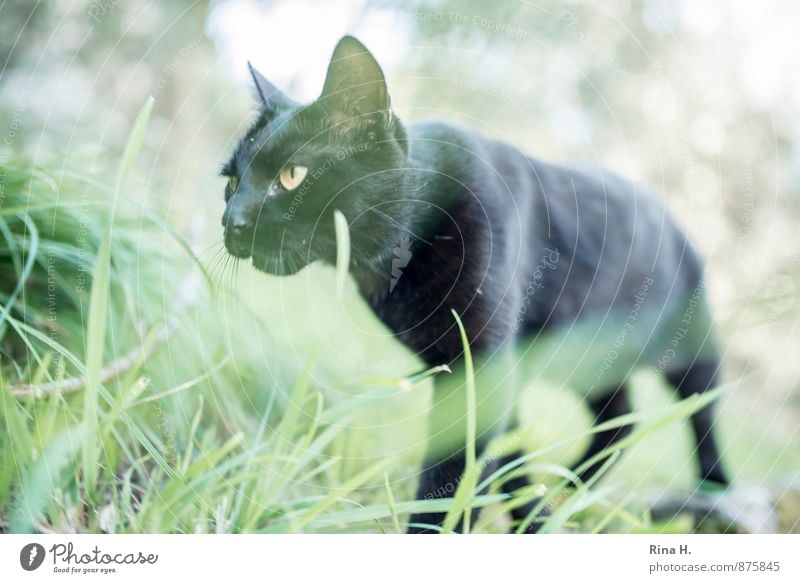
{"x":239,"y":225}
{"x":239,"y":237}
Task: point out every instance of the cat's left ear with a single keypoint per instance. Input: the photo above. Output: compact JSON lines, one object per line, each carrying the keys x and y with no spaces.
{"x":355,"y":83}
{"x":271,"y":97}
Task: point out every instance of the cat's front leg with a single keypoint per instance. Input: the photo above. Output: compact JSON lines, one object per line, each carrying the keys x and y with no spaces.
{"x":443,"y":470}
{"x":439,"y":479}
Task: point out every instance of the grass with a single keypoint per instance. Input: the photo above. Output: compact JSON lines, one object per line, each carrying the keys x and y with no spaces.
{"x":144,"y":389}
{"x":461,"y":507}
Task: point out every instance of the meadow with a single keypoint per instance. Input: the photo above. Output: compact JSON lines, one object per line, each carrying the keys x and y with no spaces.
{"x":150,"y":384}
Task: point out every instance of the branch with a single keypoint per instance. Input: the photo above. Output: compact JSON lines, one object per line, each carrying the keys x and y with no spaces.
{"x":111,"y":371}
{"x":186,"y":298}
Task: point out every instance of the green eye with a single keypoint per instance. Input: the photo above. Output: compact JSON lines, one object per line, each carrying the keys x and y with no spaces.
{"x":291,"y":176}
{"x":233,"y":183}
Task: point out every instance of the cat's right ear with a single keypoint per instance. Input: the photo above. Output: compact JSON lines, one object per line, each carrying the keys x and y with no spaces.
{"x":272,"y":98}
{"x":355,"y":82}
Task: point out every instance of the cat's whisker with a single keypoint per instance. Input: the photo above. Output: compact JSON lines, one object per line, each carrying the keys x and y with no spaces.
{"x":217,"y":262}
{"x":223,"y":269}
{"x":235,"y":271}
{"x":215,"y":246}
{"x":213,"y":265}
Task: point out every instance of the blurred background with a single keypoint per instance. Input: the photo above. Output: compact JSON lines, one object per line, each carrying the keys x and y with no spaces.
{"x":695,"y":98}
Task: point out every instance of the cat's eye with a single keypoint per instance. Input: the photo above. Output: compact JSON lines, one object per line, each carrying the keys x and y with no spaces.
{"x":233,"y":182}
{"x":291,"y":176}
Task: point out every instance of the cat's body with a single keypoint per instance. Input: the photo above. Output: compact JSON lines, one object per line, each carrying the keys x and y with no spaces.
{"x":488,"y":218}
{"x":587,"y":269}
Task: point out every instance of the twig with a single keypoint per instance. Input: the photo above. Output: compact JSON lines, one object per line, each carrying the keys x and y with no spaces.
{"x":111,"y":371}
{"x":187,"y":297}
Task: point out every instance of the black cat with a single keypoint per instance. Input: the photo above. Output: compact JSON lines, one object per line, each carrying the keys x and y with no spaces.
{"x":588,"y":269}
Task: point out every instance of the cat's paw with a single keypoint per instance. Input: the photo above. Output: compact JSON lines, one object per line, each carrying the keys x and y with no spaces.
{"x":738,"y":508}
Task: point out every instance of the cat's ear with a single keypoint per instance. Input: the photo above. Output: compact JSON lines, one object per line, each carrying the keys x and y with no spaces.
{"x":355,"y":83}
{"x":271,"y":97}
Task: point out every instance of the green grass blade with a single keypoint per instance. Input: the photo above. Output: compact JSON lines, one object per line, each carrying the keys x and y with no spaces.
{"x":340,"y":492}
{"x":392,"y":509}
{"x":31,"y":254}
{"x":95,"y":344}
{"x":382,"y":511}
{"x":18,"y":441}
{"x":98,"y":311}
{"x":41,"y":479}
{"x":466,"y":489}
{"x":134,"y":143}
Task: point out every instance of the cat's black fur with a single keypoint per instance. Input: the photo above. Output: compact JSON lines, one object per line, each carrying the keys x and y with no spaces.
{"x":517,"y":247}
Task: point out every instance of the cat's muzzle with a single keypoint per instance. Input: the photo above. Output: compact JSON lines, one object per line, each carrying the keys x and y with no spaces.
{"x":239,"y":241}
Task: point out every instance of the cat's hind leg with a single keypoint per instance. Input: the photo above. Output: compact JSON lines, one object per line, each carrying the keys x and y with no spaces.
{"x":440,"y":479}
{"x":531,"y":510}
{"x":699,"y":378}
{"x":714,"y":504}
{"x":607,"y":405}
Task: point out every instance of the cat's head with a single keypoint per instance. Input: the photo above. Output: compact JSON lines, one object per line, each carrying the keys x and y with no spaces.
{"x":299,"y":163}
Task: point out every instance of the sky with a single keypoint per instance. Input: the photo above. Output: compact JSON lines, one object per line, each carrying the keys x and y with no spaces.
{"x":291,"y":55}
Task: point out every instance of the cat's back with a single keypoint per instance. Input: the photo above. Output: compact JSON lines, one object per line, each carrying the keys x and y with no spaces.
{"x":582,"y":209}
{"x":460,"y":167}
{"x":610,"y":234}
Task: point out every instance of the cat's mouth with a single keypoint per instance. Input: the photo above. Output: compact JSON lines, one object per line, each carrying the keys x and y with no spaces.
{"x":284,"y":263}
{"x":275,"y":256}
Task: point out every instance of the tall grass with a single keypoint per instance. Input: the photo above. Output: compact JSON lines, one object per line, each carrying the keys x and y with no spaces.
{"x":115,"y":417}
{"x":126,"y":407}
